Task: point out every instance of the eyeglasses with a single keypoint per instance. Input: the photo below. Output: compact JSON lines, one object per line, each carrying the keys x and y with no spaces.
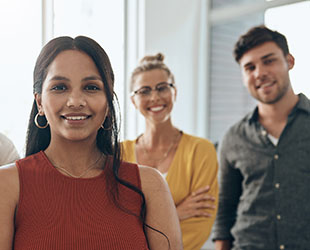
{"x":162,"y":88}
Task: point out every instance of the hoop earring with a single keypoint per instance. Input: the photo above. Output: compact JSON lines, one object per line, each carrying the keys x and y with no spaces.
{"x":109,"y":128}
{"x":106,"y":117}
{"x":37,"y":124}
{"x":102,"y":126}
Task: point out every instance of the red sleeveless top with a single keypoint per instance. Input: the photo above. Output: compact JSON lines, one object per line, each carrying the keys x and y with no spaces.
{"x":57,"y":212}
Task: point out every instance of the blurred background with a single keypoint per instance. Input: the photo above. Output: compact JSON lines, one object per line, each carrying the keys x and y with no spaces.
{"x":196,"y":37}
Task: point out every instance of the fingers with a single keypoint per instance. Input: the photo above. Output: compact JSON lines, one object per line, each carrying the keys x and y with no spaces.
{"x":202,"y":197}
{"x":203,"y":205}
{"x":192,"y":211}
{"x":196,"y":204}
{"x":201,"y":190}
{"x":201,"y":213}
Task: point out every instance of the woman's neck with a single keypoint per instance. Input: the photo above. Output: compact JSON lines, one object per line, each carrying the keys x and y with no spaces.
{"x":73,"y":156}
{"x":158,"y":145}
{"x":159,"y":134}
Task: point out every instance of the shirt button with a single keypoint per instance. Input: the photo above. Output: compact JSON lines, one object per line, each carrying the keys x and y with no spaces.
{"x":277,"y":185}
{"x":279,"y":217}
{"x":282,"y":247}
{"x":276,"y":157}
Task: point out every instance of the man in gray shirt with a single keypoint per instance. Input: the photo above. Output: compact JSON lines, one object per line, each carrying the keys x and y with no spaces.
{"x":264,"y":201}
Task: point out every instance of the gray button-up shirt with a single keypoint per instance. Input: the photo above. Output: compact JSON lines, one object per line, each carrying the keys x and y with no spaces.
{"x":264,"y":200}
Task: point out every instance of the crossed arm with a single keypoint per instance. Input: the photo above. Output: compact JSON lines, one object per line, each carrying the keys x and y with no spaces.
{"x":230,"y":192}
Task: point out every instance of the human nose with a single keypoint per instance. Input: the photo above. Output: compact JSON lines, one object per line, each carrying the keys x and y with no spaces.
{"x":76,"y":100}
{"x":154,"y":94}
{"x":260,"y":72}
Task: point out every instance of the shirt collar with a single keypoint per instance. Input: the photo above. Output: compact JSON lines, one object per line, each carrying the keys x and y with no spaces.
{"x":302,"y":104}
{"x":253,"y":116}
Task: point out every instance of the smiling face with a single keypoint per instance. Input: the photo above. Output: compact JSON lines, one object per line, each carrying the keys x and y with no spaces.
{"x":73,"y":97}
{"x":156,"y":108}
{"x":265,"y":72}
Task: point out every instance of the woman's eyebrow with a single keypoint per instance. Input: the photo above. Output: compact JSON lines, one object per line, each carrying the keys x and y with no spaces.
{"x":92,"y":78}
{"x":57,"y":78}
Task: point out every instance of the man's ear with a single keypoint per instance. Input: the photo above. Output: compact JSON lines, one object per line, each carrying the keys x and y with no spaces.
{"x":290,"y":61}
{"x":133,"y":101}
{"x":38,"y":99}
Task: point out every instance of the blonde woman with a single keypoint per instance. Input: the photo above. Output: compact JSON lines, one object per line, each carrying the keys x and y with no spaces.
{"x":188,"y":163}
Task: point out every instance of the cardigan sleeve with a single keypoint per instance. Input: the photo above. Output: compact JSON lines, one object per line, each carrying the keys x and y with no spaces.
{"x":204,"y":165}
{"x":230,"y":191}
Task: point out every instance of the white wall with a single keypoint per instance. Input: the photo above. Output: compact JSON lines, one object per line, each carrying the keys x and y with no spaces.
{"x":177,"y":28}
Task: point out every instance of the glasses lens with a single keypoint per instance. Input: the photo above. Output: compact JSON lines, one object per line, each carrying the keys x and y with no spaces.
{"x":145,"y":91}
{"x":163,"y":88}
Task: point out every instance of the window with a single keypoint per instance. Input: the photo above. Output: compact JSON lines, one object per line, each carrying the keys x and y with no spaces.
{"x":21,"y":41}
{"x":292,"y":20}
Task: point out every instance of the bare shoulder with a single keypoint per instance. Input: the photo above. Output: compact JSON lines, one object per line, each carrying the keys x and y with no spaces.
{"x":9,"y":170}
{"x":9,"y":195}
{"x":152,"y":180}
{"x":161,"y":212}
{"x":154,"y":186}
{"x":150,"y":173}
{"x":9,"y":182}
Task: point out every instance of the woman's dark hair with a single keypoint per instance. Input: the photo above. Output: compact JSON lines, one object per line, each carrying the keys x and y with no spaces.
{"x":107,"y":140}
{"x":257,"y":36}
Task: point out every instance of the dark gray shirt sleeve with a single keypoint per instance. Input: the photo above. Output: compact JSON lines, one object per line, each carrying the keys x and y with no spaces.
{"x":230,"y":181}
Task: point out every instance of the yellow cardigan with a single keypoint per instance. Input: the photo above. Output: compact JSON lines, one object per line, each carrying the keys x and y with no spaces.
{"x":194,"y":166}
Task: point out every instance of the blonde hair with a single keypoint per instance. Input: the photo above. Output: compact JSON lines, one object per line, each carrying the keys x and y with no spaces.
{"x":148,"y":63}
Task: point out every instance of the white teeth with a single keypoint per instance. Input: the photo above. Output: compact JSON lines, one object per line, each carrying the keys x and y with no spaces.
{"x":156,"y":108}
{"x":266,"y":85}
{"x":76,"y":118}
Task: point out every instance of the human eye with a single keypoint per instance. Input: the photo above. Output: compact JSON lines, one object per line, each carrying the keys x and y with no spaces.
{"x":92,"y":87}
{"x":144,"y":91}
{"x":59,"y":87}
{"x":250,"y":68}
{"x":269,"y":61}
{"x":162,"y":87}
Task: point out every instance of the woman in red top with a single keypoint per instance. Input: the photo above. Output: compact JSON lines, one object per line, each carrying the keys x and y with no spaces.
{"x":72,"y":191}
